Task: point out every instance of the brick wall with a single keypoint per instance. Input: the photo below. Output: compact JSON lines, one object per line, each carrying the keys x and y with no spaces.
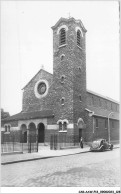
{"x":102,"y":132}
{"x":87,"y":133}
{"x":114,"y":131}
{"x":13,"y":136}
{"x":48,"y":134}
{"x":105,"y":103}
{"x":12,"y":123}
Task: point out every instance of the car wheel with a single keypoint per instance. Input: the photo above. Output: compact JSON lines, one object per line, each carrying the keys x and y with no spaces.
{"x":111,"y":147}
{"x":103,"y":149}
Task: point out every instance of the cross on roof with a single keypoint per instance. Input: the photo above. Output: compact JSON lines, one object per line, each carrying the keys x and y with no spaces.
{"x":42,"y":67}
{"x":69,"y":15}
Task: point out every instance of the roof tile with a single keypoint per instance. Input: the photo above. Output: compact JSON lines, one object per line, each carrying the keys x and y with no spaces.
{"x":102,"y":112}
{"x":30,"y":115}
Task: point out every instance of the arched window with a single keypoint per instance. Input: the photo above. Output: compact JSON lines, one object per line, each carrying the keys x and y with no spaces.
{"x":62,"y":36}
{"x":62,"y":101}
{"x":8,"y":128}
{"x":65,"y":126}
{"x":79,"y":69}
{"x":62,"y":57}
{"x":60,"y":126}
{"x":62,"y":79}
{"x":5,"y":128}
{"x":78,"y":38}
{"x":80,"y":98}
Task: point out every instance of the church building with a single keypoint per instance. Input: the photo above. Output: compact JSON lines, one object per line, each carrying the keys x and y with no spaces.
{"x":60,"y":103}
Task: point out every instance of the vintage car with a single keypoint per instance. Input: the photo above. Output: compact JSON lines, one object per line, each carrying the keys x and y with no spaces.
{"x":100,"y":145}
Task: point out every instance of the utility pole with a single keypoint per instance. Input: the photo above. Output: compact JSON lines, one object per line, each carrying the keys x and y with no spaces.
{"x":109,"y":126}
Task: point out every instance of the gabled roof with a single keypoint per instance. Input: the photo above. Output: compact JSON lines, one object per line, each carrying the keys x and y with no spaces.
{"x":68,"y":20}
{"x":30,"y":115}
{"x":36,"y":75}
{"x":102,"y":113}
{"x":105,"y":97}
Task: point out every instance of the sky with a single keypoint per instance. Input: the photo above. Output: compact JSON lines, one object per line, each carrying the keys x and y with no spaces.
{"x":27,"y":44}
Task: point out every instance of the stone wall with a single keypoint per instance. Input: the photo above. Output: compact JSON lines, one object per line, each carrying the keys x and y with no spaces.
{"x":30,"y":101}
{"x":73,"y":68}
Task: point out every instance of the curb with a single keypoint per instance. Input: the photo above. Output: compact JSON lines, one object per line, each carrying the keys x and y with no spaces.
{"x":45,"y":157}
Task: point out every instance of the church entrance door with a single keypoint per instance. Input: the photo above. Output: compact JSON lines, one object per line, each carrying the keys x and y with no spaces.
{"x":41,"y":133}
{"x":24,"y":133}
{"x":25,"y":137}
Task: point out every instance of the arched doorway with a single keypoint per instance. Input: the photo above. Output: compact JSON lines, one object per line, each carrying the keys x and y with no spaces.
{"x":41,"y":133}
{"x":81,"y":126}
{"x":24,"y":133}
{"x":32,"y":132}
{"x":80,"y":133}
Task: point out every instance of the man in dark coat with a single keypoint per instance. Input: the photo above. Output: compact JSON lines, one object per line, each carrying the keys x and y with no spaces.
{"x":81,"y":142}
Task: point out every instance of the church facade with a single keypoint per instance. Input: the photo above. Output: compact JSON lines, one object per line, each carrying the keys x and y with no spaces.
{"x":60,"y":103}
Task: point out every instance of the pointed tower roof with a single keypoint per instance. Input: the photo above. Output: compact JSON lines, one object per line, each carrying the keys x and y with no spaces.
{"x":68,"y":20}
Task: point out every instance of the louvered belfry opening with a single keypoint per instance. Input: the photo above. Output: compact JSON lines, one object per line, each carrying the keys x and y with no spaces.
{"x":62,"y":36}
{"x":78,"y":38}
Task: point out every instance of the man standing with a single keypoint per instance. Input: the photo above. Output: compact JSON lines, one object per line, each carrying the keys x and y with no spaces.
{"x":81,"y":142}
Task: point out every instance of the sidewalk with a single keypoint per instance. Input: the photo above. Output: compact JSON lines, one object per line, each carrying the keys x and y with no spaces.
{"x":43,"y":154}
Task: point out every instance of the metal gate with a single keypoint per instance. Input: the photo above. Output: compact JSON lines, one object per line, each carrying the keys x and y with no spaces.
{"x":53,"y":142}
{"x":32,"y":143}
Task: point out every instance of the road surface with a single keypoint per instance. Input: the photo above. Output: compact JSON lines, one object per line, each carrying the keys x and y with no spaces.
{"x":101,"y":169}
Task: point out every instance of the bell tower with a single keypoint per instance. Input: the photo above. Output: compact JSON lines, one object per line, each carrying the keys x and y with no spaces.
{"x":69,"y":72}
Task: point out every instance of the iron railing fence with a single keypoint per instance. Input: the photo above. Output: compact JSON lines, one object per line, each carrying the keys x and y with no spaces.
{"x":10,"y":144}
{"x":63,"y":141}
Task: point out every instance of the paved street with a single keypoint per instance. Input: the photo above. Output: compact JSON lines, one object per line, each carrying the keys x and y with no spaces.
{"x":82,"y":170}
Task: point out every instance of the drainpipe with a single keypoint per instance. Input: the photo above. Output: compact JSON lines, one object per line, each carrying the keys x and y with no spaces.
{"x":93,"y":126}
{"x":91,"y":113}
